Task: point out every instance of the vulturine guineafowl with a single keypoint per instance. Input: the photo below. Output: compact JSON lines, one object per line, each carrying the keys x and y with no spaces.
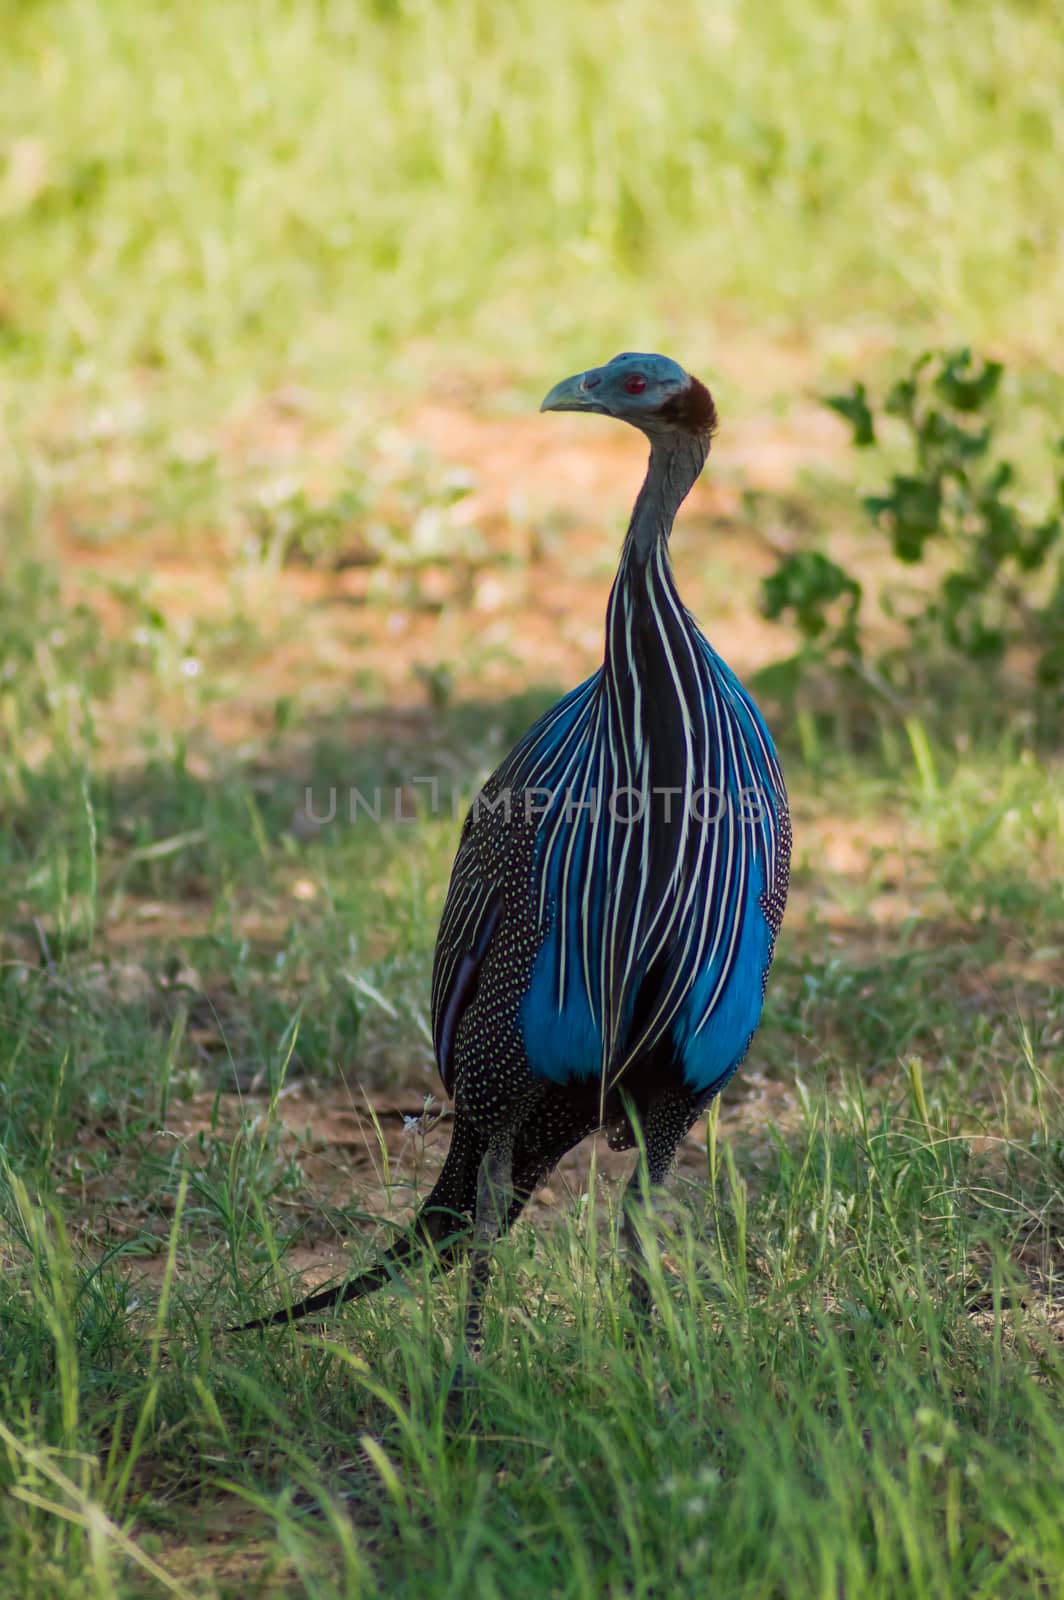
{"x":619,"y":884}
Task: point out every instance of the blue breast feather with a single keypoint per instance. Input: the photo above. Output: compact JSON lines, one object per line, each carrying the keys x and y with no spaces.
{"x":567,"y":1043}
{"x":711,"y":1048}
{"x":562,"y":1023}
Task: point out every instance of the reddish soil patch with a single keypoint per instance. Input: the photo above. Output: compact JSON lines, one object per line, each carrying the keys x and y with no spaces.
{"x":550,"y":500}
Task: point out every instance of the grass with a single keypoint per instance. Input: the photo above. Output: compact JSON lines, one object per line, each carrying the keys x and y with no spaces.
{"x":853,"y":1382}
{"x":279,"y":279}
{"x":315,"y":191}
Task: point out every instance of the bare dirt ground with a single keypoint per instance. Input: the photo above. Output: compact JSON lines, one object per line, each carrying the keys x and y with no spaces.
{"x":549,"y":498}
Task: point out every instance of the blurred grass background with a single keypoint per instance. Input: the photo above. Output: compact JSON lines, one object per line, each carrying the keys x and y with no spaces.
{"x":253,"y":191}
{"x":280,"y":286}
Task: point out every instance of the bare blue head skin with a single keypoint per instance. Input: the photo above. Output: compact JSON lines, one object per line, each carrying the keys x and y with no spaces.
{"x":651,"y":392}
{"x":673,"y":409}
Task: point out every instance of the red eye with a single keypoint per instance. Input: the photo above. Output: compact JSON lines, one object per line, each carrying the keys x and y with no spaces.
{"x":635,"y":384}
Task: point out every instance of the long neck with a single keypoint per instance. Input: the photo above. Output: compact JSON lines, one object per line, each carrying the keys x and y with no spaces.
{"x":676,"y":459}
{"x":646,"y":624}
{"x":652,"y":704}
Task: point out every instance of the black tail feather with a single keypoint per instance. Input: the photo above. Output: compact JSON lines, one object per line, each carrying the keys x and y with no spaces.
{"x":440,"y":1226}
{"x":443,"y":1224}
{"x":428,"y":1232}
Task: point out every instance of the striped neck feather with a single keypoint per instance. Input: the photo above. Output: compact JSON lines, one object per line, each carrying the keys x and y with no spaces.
{"x":650,"y":669}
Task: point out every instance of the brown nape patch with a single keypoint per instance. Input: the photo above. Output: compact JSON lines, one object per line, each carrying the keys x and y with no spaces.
{"x":693,"y":410}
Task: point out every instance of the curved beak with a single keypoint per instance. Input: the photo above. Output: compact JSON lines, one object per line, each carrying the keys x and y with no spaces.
{"x":575,"y":394}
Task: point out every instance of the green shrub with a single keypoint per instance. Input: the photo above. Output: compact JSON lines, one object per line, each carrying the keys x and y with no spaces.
{"x":990,"y":559}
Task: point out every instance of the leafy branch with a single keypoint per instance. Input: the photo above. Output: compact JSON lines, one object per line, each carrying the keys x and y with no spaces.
{"x":992,"y":574}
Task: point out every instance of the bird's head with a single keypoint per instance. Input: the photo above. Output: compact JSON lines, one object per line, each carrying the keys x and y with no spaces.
{"x":651,"y":392}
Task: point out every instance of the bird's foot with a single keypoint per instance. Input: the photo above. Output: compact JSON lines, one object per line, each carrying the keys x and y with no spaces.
{"x":463,"y":1393}
{"x":641,"y":1301}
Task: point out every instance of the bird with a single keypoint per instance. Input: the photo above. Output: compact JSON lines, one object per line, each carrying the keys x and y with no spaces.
{"x":617,"y":891}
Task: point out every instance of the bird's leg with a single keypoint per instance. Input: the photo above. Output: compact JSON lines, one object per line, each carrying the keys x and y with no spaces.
{"x":495,"y":1195}
{"x":667,"y":1120}
{"x":647,"y":1175}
